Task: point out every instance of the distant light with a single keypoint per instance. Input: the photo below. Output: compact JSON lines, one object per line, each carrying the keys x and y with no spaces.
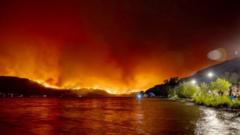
{"x":139,"y":96}
{"x":236,"y":53}
{"x":193,"y":81}
{"x":210,"y":74}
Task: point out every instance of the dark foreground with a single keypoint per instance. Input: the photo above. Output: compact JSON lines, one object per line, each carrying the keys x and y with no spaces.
{"x":50,"y":116}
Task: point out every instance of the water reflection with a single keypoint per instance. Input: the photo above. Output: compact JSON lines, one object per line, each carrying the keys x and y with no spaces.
{"x":213,"y":122}
{"x":94,"y":116}
{"x":26,"y":116}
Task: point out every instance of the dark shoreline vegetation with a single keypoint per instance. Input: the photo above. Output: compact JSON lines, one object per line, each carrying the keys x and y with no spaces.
{"x":216,"y":86}
{"x":217,"y":93}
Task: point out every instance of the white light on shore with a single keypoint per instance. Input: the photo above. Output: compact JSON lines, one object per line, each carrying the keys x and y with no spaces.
{"x":139,"y":96}
{"x":210,"y":74}
{"x":193,"y":81}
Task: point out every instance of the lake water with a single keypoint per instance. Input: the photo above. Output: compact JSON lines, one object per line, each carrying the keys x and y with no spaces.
{"x":123,"y":116}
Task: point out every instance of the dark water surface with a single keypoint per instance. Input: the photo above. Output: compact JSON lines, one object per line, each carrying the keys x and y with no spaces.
{"x":52,"y":116}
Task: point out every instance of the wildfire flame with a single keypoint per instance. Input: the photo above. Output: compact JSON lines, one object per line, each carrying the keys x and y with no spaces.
{"x":62,"y":67}
{"x":113,"y":90}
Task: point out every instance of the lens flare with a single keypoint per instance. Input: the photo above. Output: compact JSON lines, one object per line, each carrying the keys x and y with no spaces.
{"x":217,"y":54}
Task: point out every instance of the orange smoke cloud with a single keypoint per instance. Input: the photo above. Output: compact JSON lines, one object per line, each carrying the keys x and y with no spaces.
{"x":118,"y":46}
{"x":73,"y":66}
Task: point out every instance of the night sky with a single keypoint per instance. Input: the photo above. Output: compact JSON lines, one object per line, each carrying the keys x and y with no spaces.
{"x":119,"y":45}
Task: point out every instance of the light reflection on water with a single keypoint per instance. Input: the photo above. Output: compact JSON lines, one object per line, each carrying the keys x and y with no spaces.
{"x":46,"y":116}
{"x":213,"y":122}
{"x":52,"y":116}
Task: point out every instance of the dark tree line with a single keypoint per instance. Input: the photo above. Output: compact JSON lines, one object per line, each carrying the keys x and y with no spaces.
{"x":163,"y":90}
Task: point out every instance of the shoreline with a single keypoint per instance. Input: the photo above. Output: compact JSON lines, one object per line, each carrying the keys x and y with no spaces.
{"x":227,"y":109}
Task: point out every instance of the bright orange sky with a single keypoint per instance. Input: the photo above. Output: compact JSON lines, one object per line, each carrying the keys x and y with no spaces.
{"x":115,"y":45}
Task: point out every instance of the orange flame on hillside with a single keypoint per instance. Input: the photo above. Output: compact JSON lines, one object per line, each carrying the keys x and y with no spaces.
{"x":75,"y":67}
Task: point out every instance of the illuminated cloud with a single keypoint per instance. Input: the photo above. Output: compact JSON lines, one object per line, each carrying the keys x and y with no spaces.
{"x":115,"y":45}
